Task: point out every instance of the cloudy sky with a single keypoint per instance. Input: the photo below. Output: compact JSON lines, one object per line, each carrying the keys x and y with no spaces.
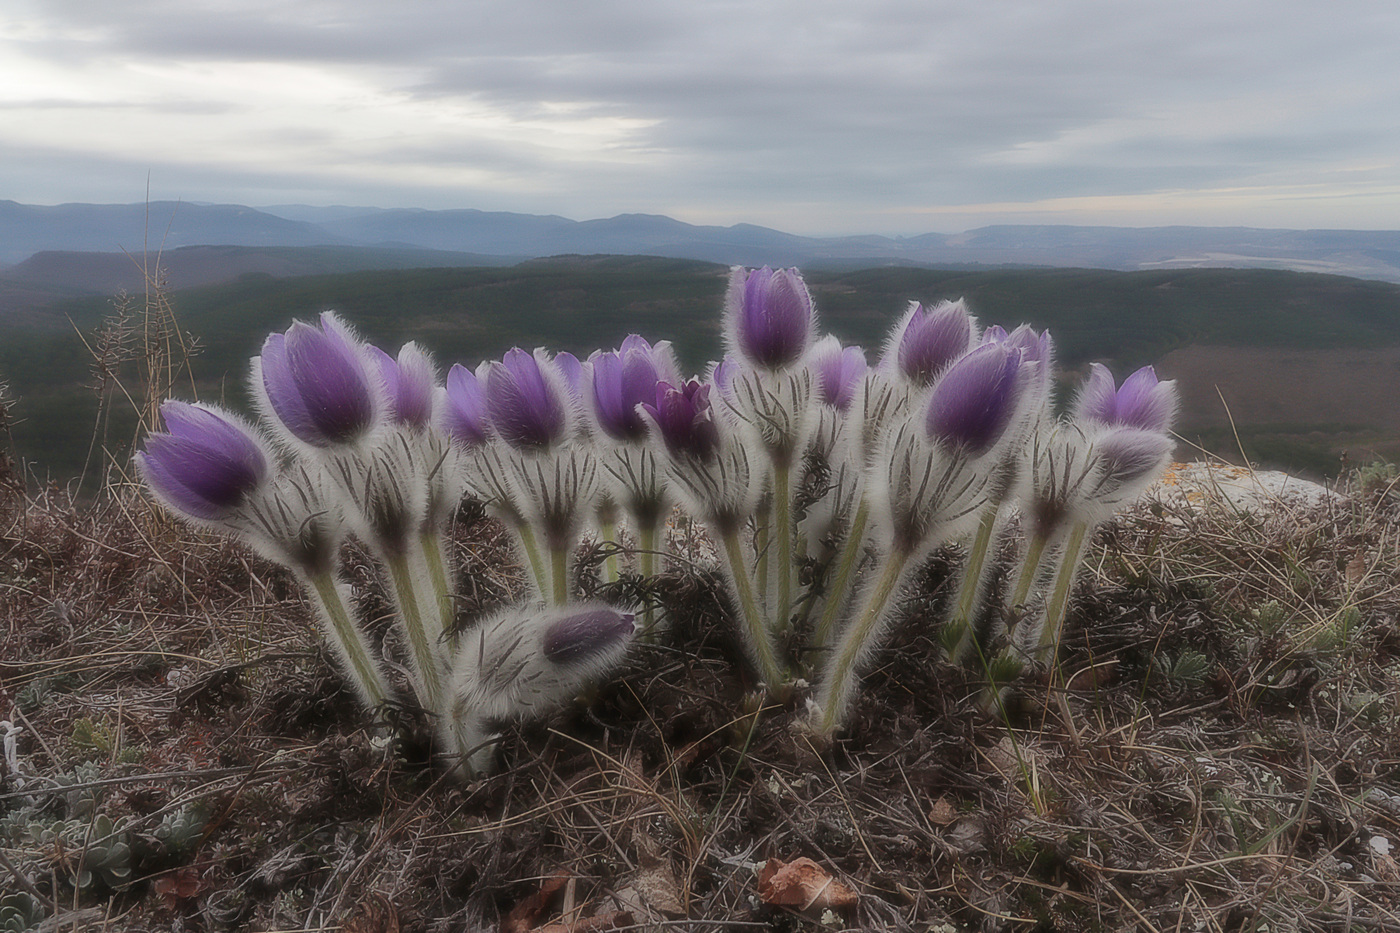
{"x":859,"y":116}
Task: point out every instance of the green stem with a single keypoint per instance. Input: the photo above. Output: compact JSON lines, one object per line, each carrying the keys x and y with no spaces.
{"x":1035,"y":551}
{"x":760,"y":639}
{"x":838,"y":684}
{"x":971,"y":586}
{"x":1059,"y":596}
{"x":531,"y":547}
{"x":348,"y":639}
{"x":845,"y":571}
{"x":646,"y":566}
{"x":436,"y":559}
{"x":607,"y":534}
{"x":559,"y":574}
{"x":425,"y":658}
{"x":761,"y":540}
{"x":782,"y":527}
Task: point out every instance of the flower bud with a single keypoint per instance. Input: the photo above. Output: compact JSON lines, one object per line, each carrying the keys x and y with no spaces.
{"x":1141,"y":402}
{"x":409,"y":382}
{"x":526,"y":401}
{"x":976,"y":400}
{"x":769,"y":316}
{"x":929,"y":340}
{"x":685,"y":420}
{"x":206,"y":465}
{"x":317,"y":383}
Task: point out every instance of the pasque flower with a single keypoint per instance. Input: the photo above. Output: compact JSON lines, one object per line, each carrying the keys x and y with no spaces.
{"x":527,"y":400}
{"x":977,"y":399}
{"x":1140,"y":402}
{"x":207,"y":464}
{"x":409,"y":382}
{"x":839,"y":371}
{"x":927,"y":340}
{"x":685,"y":420}
{"x":318,"y":383}
{"x":526,"y":659}
{"x":769,"y":315}
{"x":462,"y":408}
{"x":620,"y":380}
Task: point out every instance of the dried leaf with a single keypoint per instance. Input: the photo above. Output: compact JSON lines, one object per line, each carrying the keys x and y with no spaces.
{"x":526,"y":915}
{"x":1356,"y":569}
{"x":803,"y":884}
{"x":942,"y":812}
{"x":178,"y":885}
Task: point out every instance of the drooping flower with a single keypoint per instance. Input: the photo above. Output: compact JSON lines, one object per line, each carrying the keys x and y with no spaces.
{"x":976,"y":400}
{"x":409,"y":382}
{"x":586,"y":634}
{"x":625,"y":378}
{"x":526,"y":400}
{"x":207,"y":464}
{"x":1141,"y":402}
{"x":839,"y":372}
{"x":462,"y":408}
{"x":927,"y":341}
{"x":769,"y":316}
{"x":685,"y":420}
{"x":318,"y":384}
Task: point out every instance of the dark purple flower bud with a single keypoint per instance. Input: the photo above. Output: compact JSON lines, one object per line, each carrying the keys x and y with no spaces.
{"x":770,"y":315}
{"x":838,"y":371}
{"x":582,"y":636}
{"x":464,"y":408}
{"x":318,"y":383}
{"x":685,"y":420}
{"x":1141,"y":402}
{"x":525,"y":400}
{"x":976,"y":399}
{"x":1131,"y":456}
{"x":409,"y":382}
{"x":206,"y":464}
{"x":621,"y":381}
{"x":930,"y":339}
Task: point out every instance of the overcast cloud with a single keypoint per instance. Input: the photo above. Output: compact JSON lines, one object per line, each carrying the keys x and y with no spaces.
{"x":883,"y":116}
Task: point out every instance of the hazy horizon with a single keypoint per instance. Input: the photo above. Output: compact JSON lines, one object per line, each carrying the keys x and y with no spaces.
{"x":899,"y":117}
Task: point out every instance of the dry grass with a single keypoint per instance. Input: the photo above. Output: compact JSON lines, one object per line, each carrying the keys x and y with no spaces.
{"x":1223,"y":757}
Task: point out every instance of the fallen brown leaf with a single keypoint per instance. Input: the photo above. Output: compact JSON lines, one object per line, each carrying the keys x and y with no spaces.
{"x":525,"y":916}
{"x":803,"y":884}
{"x":942,"y":812}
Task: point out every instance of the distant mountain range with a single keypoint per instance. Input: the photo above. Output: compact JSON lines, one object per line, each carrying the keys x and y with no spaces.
{"x":379,"y":238}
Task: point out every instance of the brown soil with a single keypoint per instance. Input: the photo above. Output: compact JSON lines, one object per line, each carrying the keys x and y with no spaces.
{"x":1225,"y":755}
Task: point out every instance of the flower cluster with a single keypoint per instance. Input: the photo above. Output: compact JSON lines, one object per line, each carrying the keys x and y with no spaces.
{"x":793,"y":452}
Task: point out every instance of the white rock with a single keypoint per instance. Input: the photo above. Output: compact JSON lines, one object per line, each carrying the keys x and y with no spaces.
{"x":1238,"y":487}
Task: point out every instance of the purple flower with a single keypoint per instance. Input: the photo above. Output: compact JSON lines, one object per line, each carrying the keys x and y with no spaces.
{"x":206,"y":465}
{"x":622,"y":380}
{"x":409,"y":382}
{"x":770,"y":316}
{"x":975,"y":401}
{"x":463,"y":411}
{"x":685,"y":420}
{"x":582,"y":636}
{"x":838,"y":371}
{"x":317,"y":383}
{"x":930,"y":339}
{"x":1141,"y":402}
{"x":526,"y":401}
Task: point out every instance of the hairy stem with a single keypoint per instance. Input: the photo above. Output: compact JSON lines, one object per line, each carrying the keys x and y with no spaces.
{"x":531,"y":547}
{"x":1049,"y":642}
{"x":435,"y":556}
{"x":971,"y":587}
{"x":646,"y":566}
{"x":783,"y":530}
{"x":347,"y":638}
{"x":421,"y":646}
{"x":607,"y":535}
{"x":759,"y":637}
{"x":838,"y":684}
{"x":1035,"y":551}
{"x":559,"y":574}
{"x":845,"y":571}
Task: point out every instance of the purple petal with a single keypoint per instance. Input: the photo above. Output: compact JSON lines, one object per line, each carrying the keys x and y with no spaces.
{"x":1145,"y":403}
{"x":464,"y":414}
{"x":582,"y":635}
{"x":1098,"y":399}
{"x":772,"y":316}
{"x":838,"y":372}
{"x":526,"y":410}
{"x":206,"y":466}
{"x":318,"y":384}
{"x":408,"y":383}
{"x":684,"y":419}
{"x":975,"y":401}
{"x":932,"y":340}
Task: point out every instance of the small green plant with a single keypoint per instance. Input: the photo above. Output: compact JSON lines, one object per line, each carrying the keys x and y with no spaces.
{"x":20,"y":912}
{"x":1186,"y":668}
{"x":1378,"y":476}
{"x":87,"y":854}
